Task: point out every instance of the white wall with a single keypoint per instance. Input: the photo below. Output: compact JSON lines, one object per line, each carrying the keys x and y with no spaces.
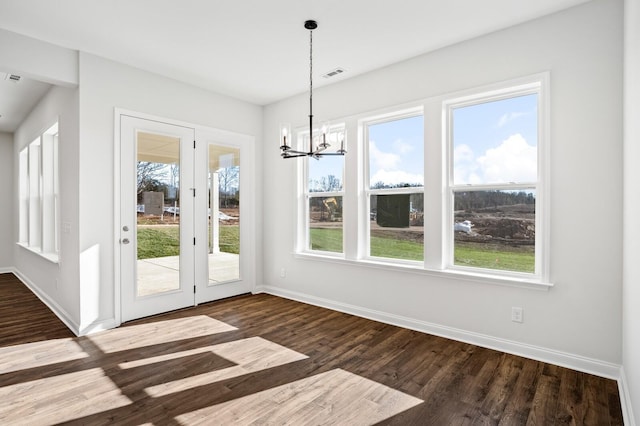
{"x":56,"y":283}
{"x":105,"y":85}
{"x":578,"y":321}
{"x":38,"y":59}
{"x":6,"y":202}
{"x":631,"y":272}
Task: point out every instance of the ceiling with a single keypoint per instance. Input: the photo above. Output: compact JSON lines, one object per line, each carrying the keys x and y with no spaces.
{"x":258,"y":50}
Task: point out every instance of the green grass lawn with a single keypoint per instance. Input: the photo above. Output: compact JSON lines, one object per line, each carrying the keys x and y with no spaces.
{"x":465,"y":254}
{"x":396,"y":249}
{"x":165,"y":241}
{"x":158,"y":242}
{"x":324,"y":239}
{"x":331,"y":240}
{"x":230,"y":239}
{"x":516,"y":260}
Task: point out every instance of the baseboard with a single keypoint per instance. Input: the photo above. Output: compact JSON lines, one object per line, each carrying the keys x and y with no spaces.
{"x":625,"y":399}
{"x":97,"y":326}
{"x":6,"y":270}
{"x":51,"y":304}
{"x":575,"y":362}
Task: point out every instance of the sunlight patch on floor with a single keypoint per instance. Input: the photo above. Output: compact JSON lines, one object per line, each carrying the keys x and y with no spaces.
{"x":39,"y":354}
{"x":250,"y":355}
{"x":334,"y":397}
{"x":158,"y":333}
{"x":60,"y":398}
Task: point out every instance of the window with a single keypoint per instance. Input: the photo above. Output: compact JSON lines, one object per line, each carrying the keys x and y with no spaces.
{"x":324,"y":196}
{"x":395,"y":188}
{"x":453,"y":184}
{"x":39,"y":190}
{"x":494,"y":181}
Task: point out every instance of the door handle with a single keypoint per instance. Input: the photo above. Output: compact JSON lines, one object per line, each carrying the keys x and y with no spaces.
{"x":125,"y":241}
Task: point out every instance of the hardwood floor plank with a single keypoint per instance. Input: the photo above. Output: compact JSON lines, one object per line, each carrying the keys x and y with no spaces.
{"x":520,"y":403}
{"x":17,"y":328}
{"x":261,"y":359}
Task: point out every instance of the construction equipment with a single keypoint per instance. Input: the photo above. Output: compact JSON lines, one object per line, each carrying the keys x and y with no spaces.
{"x":335,"y":213}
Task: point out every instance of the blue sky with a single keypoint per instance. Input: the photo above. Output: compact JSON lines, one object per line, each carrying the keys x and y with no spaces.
{"x":496,"y":142}
{"x":396,"y":153}
{"x":493,"y":142}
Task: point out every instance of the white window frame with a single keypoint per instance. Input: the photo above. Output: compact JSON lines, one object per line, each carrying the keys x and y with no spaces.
{"x":368,"y":191}
{"x":304,"y":232}
{"x":438,"y":223}
{"x":39,"y":189}
{"x":534,"y":85}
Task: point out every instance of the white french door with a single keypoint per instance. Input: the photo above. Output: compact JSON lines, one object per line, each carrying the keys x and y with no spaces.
{"x":222,"y":232}
{"x":184,"y":238}
{"x":157,"y":248}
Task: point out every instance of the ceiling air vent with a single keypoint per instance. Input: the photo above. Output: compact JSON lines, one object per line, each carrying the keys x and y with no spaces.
{"x":333,"y":73}
{"x":13,"y":77}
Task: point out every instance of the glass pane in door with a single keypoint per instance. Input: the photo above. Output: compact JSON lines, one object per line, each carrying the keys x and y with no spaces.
{"x":158,"y":214}
{"x":224,"y":214}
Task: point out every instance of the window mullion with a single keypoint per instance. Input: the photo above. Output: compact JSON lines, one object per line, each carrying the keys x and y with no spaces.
{"x":434,"y":183}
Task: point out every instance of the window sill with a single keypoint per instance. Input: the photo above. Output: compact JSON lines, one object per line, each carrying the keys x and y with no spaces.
{"x":51,"y":257}
{"x":475,"y":277}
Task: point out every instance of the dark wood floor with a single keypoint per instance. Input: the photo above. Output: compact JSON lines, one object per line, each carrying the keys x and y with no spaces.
{"x":266,"y":360}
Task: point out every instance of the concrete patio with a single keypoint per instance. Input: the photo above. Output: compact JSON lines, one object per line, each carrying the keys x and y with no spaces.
{"x":160,"y":274}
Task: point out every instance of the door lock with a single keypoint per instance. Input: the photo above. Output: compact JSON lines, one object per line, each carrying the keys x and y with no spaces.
{"x":125,"y":241}
{"x":125,"y":228}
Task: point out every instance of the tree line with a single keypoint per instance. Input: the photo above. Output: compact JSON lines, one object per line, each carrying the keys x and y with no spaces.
{"x":471,"y":200}
{"x":165,"y":178}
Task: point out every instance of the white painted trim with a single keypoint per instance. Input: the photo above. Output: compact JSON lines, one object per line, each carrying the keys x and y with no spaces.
{"x":51,"y":257}
{"x":625,"y":399}
{"x":247,"y":146}
{"x":416,"y":268}
{"x":117,"y":220}
{"x":97,"y":326}
{"x":535,"y":84}
{"x":563,"y":359}
{"x":51,"y":304}
{"x":7,"y":270}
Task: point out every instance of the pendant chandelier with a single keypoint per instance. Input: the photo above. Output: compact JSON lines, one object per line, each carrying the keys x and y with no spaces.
{"x":316,"y":150}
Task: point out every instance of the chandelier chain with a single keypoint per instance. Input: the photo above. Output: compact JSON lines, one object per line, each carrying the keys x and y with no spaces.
{"x":286,"y":149}
{"x":310,"y":75}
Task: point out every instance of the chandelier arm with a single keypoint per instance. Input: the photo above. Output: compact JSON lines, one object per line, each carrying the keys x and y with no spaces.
{"x":293,"y":151}
{"x":288,"y":155}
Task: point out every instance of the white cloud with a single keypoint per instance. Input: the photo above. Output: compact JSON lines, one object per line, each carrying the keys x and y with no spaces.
{"x":396,"y":177}
{"x":514,"y":160}
{"x":387,"y":166}
{"x":465,"y":167}
{"x":383,"y":160}
{"x":508,"y":117}
{"x":402,"y":147}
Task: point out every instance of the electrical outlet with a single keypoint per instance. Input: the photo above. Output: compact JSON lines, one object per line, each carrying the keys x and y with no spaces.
{"x":516,"y":314}
{"x":283,"y":273}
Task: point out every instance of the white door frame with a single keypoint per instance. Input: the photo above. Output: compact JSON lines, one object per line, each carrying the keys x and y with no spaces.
{"x":248,"y":199}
